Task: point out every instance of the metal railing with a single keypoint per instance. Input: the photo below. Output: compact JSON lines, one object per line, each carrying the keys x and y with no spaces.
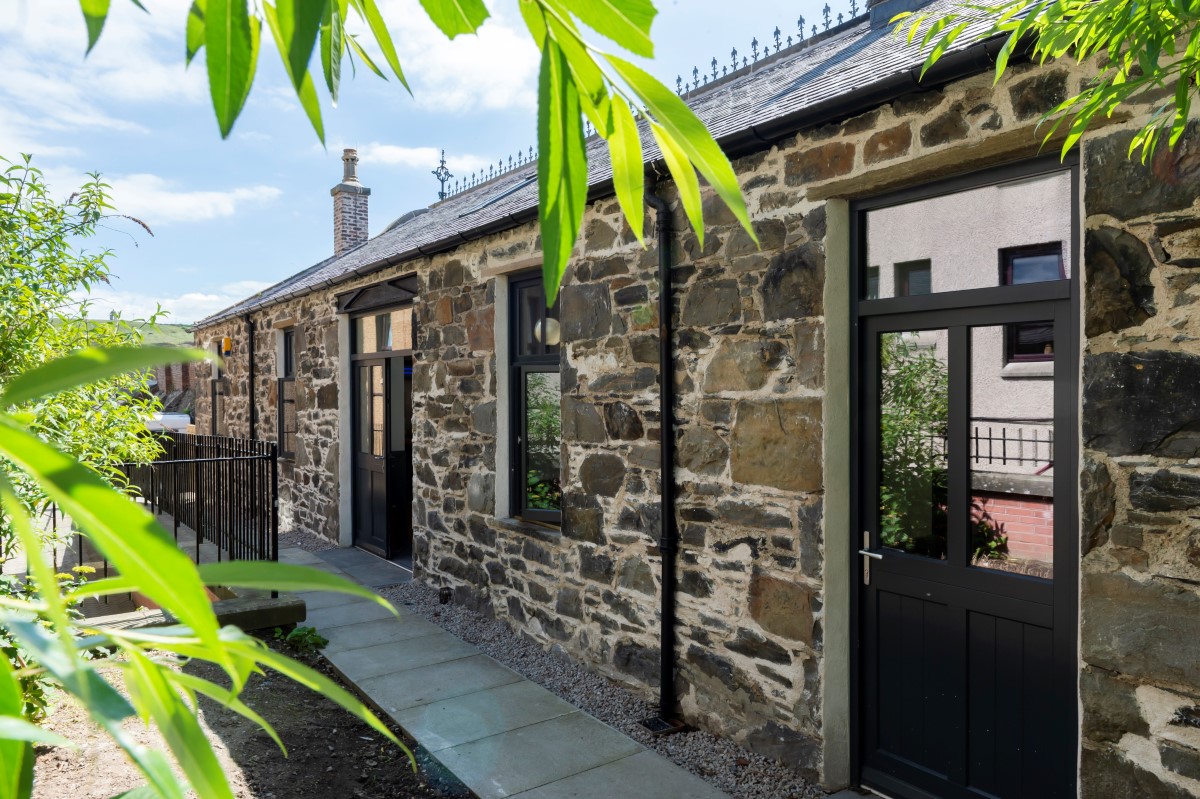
{"x":225,"y":489}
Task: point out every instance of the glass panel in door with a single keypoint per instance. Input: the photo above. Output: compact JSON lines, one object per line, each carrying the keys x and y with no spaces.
{"x":913,"y":425}
{"x":1011,"y":449}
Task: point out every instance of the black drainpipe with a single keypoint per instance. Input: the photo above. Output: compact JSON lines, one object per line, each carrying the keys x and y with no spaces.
{"x":253,"y":415}
{"x":667,"y":543}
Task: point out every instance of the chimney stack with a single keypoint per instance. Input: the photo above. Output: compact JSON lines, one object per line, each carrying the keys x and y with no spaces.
{"x":349,"y":206}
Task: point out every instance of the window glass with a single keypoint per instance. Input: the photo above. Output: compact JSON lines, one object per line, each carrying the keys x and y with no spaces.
{"x":400,"y":329}
{"x":913,"y":278}
{"x":960,"y":234}
{"x":289,"y":353}
{"x":543,"y":436}
{"x":537,"y":397}
{"x":872,"y":282}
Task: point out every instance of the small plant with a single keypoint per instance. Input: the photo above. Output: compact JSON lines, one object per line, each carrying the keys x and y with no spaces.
{"x":543,"y":493}
{"x":302,"y":640}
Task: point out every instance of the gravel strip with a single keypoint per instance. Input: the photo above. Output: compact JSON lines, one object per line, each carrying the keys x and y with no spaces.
{"x":722,"y":763}
{"x":304,"y":540}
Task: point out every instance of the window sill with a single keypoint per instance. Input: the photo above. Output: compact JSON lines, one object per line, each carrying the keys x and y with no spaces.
{"x":1022,"y":369}
{"x":539,"y":530}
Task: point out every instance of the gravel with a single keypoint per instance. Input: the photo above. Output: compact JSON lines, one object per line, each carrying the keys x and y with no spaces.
{"x":304,"y":540}
{"x":722,"y":763}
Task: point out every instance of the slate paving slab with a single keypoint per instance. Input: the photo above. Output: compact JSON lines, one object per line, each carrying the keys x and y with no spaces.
{"x":450,"y":722}
{"x":515,"y":761}
{"x":370,"y":633}
{"x":371,"y":571}
{"x":499,"y":733}
{"x":410,"y":653}
{"x":404,"y":689}
{"x":641,"y":774}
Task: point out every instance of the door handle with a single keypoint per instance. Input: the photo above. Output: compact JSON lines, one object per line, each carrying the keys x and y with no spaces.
{"x":868,"y":556}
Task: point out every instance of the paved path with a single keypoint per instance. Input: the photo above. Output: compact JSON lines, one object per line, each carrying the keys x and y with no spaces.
{"x":496,"y":731}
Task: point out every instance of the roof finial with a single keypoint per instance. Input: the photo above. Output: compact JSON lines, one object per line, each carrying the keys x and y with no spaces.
{"x":443,"y":175}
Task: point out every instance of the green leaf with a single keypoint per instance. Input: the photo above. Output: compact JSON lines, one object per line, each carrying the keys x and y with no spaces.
{"x":357,"y":48}
{"x":319,"y":683}
{"x":16,"y":749}
{"x":231,"y":42}
{"x":625,"y":150}
{"x":692,"y":138}
{"x":195,"y":30}
{"x":228,"y":700}
{"x":270,"y":576}
{"x":299,"y":22}
{"x":562,"y":166}
{"x":91,"y":365}
{"x":456,"y":16}
{"x":333,"y":45}
{"x":154,"y":696}
{"x":15,"y":728}
{"x":127,"y":535}
{"x":305,"y":90}
{"x":384,"y":39}
{"x":626,"y":22}
{"x":95,"y":12}
{"x":685,"y":178}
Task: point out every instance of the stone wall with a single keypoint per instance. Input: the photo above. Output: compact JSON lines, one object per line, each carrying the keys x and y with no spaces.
{"x":1140,"y":597}
{"x":751,"y":374}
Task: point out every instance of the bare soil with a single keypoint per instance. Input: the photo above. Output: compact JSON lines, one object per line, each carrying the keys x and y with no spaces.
{"x":331,"y":754}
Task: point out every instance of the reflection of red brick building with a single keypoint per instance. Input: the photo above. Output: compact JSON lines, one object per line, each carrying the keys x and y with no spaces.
{"x":173,"y":386}
{"x":1027,"y":522}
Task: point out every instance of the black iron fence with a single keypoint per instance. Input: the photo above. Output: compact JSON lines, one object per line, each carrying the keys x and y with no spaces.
{"x":224,"y":489}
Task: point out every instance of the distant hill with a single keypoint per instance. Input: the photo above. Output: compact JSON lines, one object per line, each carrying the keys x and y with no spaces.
{"x":162,"y":335}
{"x":169,"y":335}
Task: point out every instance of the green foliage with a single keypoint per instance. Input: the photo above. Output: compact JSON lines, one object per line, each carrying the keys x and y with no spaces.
{"x":543,"y":491}
{"x":302,"y":640}
{"x":43,"y":272}
{"x":578,"y":79}
{"x":914,"y":416}
{"x":914,"y":413}
{"x":73,"y":404}
{"x":1141,"y":50}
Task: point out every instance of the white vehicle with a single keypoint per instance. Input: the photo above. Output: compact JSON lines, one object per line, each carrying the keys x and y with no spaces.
{"x":174,"y":422}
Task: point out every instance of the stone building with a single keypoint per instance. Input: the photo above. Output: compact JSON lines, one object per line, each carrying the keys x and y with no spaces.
{"x":430,"y":409}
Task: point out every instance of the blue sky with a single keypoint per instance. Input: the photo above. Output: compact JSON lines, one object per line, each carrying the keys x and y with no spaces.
{"x":231,"y":217}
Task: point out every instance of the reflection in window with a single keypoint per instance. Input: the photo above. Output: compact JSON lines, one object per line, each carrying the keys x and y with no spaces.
{"x":1030,"y":341}
{"x":913,"y":278}
{"x":872,"y":282}
{"x":959,"y":234}
{"x":914,"y":414}
{"x":287,"y":394}
{"x":536,"y":403}
{"x":384,"y":332}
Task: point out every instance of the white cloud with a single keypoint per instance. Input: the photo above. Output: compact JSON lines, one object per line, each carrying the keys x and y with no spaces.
{"x":418,"y":157}
{"x":494,"y":69}
{"x":157,"y":201}
{"x":184,"y":308}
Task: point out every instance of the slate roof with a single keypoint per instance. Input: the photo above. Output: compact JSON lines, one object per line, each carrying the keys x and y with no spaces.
{"x":791,"y":90}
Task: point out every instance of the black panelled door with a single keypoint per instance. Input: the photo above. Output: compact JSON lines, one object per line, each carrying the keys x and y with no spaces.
{"x":382,"y":456}
{"x":966,"y":552}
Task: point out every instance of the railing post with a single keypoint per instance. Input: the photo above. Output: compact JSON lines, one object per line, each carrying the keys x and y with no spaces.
{"x":274,"y":507}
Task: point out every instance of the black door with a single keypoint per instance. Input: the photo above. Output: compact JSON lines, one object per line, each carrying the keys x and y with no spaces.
{"x":382,"y":460}
{"x":967,"y":523}
{"x":371,"y":456}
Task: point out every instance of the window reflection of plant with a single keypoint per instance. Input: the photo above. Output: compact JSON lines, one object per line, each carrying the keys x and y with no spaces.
{"x":543,"y":430}
{"x":914,"y":418}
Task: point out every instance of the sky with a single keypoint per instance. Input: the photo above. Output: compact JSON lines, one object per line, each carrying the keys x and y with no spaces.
{"x":231,"y":217}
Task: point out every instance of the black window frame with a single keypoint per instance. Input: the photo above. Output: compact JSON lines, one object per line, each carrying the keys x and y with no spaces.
{"x":1011,"y":332}
{"x":548,"y":360}
{"x":903,"y":274}
{"x":286,"y":380}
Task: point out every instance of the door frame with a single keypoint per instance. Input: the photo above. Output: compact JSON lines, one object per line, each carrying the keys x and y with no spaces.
{"x":1065,"y":588}
{"x":389,"y":359}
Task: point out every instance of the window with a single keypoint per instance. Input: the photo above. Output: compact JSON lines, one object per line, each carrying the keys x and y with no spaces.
{"x":872,"y":282}
{"x":535,"y":401}
{"x":1030,"y":341}
{"x":391,"y":331}
{"x":287,"y":393}
{"x":912,"y":278}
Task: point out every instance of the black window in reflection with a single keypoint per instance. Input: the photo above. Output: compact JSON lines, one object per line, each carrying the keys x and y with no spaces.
{"x":1030,"y":341}
{"x":913,"y":278}
{"x":536,"y":403}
